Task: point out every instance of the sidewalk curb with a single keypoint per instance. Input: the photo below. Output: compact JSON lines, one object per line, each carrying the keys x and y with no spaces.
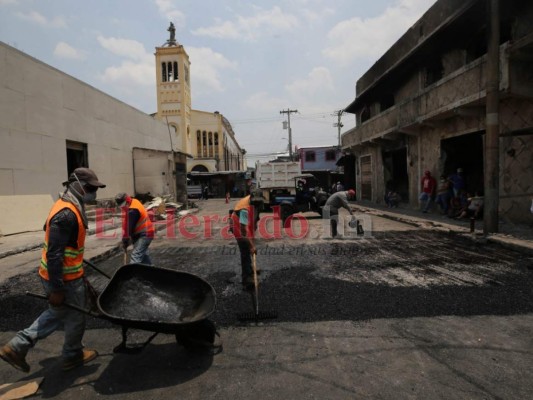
{"x":90,"y":232}
{"x":19,"y":250}
{"x":477,"y":236}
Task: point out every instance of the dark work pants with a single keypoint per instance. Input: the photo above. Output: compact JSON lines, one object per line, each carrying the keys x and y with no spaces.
{"x":246,"y":258}
{"x":334,"y":217}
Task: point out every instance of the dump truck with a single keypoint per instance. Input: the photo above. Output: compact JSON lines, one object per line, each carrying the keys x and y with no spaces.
{"x":283,"y":184}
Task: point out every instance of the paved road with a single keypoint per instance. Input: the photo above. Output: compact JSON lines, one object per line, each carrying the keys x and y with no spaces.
{"x":403,"y":313}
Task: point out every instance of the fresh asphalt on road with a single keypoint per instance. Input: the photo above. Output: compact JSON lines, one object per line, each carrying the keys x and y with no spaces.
{"x":402,"y":313}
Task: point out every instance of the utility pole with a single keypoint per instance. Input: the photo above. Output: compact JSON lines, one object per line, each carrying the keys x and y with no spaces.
{"x":289,"y":112}
{"x":492,"y":132}
{"x":339,"y":124}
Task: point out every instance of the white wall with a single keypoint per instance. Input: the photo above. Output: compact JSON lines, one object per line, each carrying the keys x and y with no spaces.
{"x":41,"y":108}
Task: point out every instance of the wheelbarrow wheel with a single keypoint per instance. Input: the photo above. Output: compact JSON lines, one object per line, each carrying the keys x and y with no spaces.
{"x":199,"y":336}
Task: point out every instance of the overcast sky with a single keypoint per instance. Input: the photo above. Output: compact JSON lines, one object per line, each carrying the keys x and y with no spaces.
{"x":249,"y":59}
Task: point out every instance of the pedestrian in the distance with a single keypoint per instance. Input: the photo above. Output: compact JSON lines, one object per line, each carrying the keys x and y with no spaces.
{"x":136,"y":228}
{"x":458,"y":182}
{"x":428,"y":184}
{"x":62,"y":275}
{"x":335,"y":202}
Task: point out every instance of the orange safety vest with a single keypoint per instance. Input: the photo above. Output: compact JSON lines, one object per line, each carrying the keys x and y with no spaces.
{"x":73,"y":256}
{"x":242,"y":204}
{"x":143,"y":224}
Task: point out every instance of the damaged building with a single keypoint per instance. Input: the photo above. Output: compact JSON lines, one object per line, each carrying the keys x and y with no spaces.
{"x":422,"y":106}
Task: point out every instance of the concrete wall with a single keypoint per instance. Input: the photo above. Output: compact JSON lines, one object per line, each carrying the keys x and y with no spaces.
{"x":516,"y":178}
{"x":41,"y":108}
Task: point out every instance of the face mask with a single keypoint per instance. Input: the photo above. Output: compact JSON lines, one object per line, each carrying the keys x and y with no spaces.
{"x":89,"y":197}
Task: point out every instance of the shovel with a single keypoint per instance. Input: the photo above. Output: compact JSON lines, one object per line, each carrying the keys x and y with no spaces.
{"x":255,"y":301}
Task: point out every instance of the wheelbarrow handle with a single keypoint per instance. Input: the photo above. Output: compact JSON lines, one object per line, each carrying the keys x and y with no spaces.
{"x":72,"y":306}
{"x":90,"y":264}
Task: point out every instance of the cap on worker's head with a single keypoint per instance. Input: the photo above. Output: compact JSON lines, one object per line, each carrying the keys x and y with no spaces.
{"x":459,"y":170}
{"x":121,"y":199}
{"x":256,"y":195}
{"x":86,"y":175}
{"x":351,"y":193}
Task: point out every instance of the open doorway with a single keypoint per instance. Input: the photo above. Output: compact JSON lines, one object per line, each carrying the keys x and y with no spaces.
{"x":395,"y":172}
{"x":466,"y":152}
{"x":76,"y":156}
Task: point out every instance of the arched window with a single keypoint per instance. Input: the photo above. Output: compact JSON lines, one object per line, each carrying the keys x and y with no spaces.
{"x":216,"y":145}
{"x":170,"y":76}
{"x":210,"y":147}
{"x":204,"y":144}
{"x":164,"y":72}
{"x":175,"y":70}
{"x":199,"y":143}
{"x":199,"y":168}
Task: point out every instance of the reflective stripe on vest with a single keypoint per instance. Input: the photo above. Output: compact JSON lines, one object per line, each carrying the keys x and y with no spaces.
{"x":143,"y":224}
{"x":72,"y":256}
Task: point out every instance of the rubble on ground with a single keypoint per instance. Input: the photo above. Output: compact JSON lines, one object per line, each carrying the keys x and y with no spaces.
{"x":161,"y":206}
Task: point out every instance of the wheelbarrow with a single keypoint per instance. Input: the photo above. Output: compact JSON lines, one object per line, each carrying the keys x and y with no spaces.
{"x":155,"y":299}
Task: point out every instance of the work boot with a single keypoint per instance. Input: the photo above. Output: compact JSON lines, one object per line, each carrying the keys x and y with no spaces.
{"x":15,"y":359}
{"x":84,"y":357}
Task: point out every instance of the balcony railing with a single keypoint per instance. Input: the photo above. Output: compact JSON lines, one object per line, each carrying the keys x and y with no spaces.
{"x":462,"y":87}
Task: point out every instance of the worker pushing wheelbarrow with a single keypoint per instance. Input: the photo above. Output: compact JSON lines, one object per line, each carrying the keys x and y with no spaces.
{"x":158,"y":300}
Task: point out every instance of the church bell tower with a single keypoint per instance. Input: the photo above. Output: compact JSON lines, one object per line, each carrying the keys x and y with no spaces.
{"x":173,"y":90}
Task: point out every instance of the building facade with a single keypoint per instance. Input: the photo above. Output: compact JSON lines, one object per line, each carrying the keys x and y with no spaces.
{"x":52,"y":123}
{"x":321,"y":161}
{"x":207,"y":136}
{"x":422,"y":106}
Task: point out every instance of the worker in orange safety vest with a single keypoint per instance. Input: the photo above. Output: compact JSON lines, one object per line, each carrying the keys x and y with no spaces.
{"x":62,"y":276}
{"x":136,"y":228}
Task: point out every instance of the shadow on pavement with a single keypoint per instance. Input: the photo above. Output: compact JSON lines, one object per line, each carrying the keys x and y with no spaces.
{"x":157,"y":366}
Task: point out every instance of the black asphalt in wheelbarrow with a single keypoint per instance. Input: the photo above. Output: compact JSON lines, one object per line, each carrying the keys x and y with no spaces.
{"x":154,"y":299}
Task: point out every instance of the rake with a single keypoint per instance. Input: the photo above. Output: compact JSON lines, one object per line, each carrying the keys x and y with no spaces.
{"x":256,"y":315}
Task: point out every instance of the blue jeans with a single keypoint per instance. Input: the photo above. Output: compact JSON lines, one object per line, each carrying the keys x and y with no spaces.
{"x":443,"y":200}
{"x":425,"y":199}
{"x":140,"y":253}
{"x":54,"y":318}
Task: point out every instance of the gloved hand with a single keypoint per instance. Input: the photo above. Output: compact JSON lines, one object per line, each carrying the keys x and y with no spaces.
{"x":56,"y":298}
{"x":125,"y":243}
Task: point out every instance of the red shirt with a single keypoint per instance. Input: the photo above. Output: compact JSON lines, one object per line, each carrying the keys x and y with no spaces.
{"x":428,"y":184}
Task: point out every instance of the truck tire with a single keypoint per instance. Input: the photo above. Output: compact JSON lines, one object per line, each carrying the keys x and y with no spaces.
{"x":285,"y":213}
